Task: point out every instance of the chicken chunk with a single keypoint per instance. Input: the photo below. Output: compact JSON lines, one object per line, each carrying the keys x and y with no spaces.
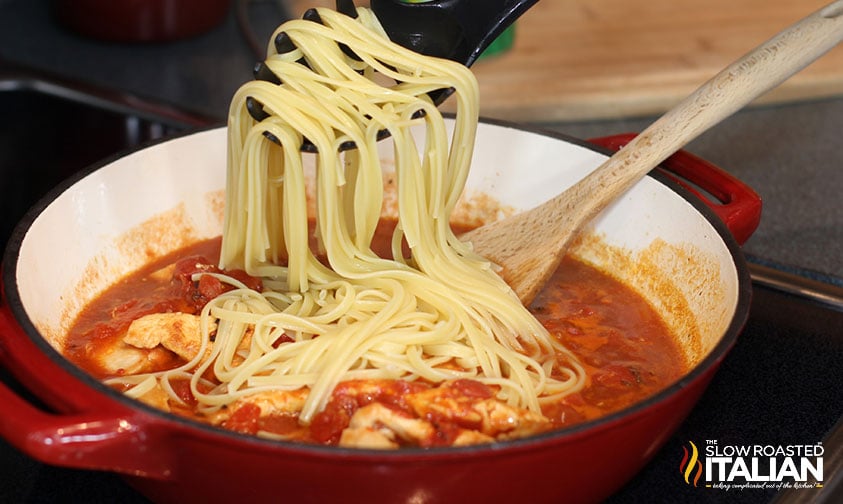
{"x":377,"y":426}
{"x":471,"y":437}
{"x":121,"y":358}
{"x":156,"y":397}
{"x":164,"y":274}
{"x":381,"y":439}
{"x":277,"y":402}
{"x":503,"y":421}
{"x":274,"y":402}
{"x":471,"y":405}
{"x":178,"y":332}
{"x":272,"y":414}
{"x":148,"y":343}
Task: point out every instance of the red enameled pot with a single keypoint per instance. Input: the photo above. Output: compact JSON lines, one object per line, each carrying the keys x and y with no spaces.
{"x":86,"y":233}
{"x":140,"y":20}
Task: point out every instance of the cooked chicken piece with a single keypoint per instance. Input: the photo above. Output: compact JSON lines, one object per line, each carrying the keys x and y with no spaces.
{"x":157,"y":398}
{"x":501,"y":420}
{"x":440,"y":402}
{"x":148,"y":343}
{"x":468,"y":437}
{"x":486,"y":415}
{"x":164,"y":274}
{"x":177,"y":332}
{"x":118,"y":358}
{"x":382,"y":439}
{"x":377,"y":426}
{"x":275,"y":402}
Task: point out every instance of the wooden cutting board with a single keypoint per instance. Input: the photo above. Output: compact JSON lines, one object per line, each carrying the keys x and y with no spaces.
{"x":594,"y":59}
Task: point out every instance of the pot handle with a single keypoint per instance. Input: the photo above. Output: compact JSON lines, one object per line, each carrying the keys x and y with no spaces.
{"x":113,"y":441}
{"x":734,"y":202}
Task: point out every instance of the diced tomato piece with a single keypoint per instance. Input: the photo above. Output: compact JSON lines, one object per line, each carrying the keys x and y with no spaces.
{"x":328,"y":424}
{"x":445,"y":434}
{"x":281,"y":424}
{"x":186,"y":267}
{"x":182,"y":389}
{"x":209,"y":286}
{"x":284,"y":338}
{"x":244,"y":419}
{"x":249,"y":281}
{"x":197,"y":294}
{"x":472,"y":389}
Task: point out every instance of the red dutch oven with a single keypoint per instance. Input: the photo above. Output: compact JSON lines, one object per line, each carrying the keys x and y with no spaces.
{"x":140,"y":20}
{"x":84,"y":235}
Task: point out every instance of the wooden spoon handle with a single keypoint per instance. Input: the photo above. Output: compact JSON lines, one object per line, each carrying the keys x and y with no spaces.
{"x":529,"y":245}
{"x":757,"y":72}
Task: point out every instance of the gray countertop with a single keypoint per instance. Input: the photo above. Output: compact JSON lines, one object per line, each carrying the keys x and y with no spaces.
{"x":788,"y":153}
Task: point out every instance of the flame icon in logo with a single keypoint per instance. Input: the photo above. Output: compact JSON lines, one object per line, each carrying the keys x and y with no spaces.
{"x":691,"y":464}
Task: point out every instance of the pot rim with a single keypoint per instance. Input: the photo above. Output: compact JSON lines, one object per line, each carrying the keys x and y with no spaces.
{"x":582,"y":430}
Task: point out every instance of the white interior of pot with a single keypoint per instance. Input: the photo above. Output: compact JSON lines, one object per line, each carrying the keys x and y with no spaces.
{"x":169,"y":195}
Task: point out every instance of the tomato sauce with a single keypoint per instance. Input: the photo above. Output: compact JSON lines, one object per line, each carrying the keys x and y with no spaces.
{"x":626,"y":349}
{"x":163,"y":286}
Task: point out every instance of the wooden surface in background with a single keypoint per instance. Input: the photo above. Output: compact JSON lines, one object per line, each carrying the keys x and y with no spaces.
{"x":593,"y":59}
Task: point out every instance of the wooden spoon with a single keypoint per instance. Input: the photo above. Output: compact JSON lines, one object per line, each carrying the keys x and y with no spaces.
{"x":529,"y":245}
